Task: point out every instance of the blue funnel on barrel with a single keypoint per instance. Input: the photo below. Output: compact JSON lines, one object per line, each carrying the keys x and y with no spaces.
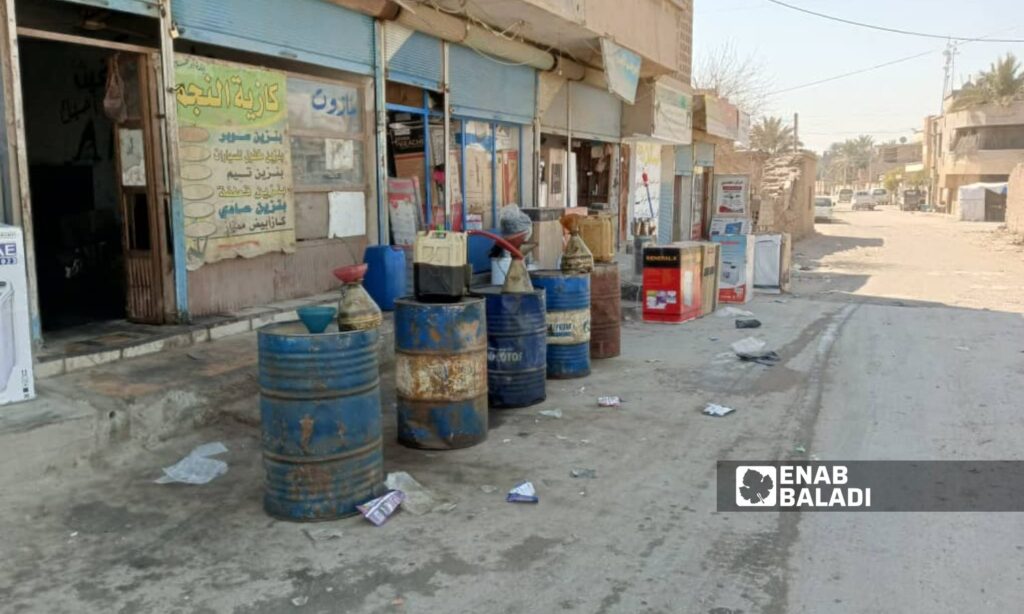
{"x":317,"y":317}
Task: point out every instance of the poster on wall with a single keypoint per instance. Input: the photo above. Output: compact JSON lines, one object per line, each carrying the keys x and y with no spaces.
{"x":235,"y":161}
{"x":647,"y":183}
{"x":732,"y":195}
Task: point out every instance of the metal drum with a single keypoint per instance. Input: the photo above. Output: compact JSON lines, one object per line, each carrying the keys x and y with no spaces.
{"x":441,"y":373}
{"x":605,"y":311}
{"x":516,"y":347}
{"x":568,"y":319}
{"x":320,"y":416}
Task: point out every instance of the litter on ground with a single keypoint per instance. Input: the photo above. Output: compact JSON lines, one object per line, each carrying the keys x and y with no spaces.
{"x":197,"y":467}
{"x":524,"y":492}
{"x":713,"y":409}
{"x":418,"y":499}
{"x":609,"y":401}
{"x":380,"y":509}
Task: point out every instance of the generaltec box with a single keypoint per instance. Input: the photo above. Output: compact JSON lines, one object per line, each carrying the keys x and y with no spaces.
{"x":671,"y":291}
{"x":16,"y":382}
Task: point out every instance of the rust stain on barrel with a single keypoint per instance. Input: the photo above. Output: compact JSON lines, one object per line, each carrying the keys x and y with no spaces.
{"x":307,"y":431}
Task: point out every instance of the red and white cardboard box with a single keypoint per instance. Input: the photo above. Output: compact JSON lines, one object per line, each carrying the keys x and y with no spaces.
{"x":736,"y":279}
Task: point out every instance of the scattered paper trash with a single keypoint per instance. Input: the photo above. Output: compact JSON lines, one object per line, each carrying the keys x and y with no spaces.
{"x":506,"y":441}
{"x":753,"y":350}
{"x":750,"y":345}
{"x":524,"y":492}
{"x":300,"y":601}
{"x":561,"y":437}
{"x":197,"y":467}
{"x":734,"y":312}
{"x":963,"y":348}
{"x":609,"y":401}
{"x":380,"y":509}
{"x":418,"y":499}
{"x":800,"y":449}
{"x":713,"y":409}
{"x":748,"y":323}
{"x":588,"y":474}
{"x":488,"y":489}
{"x":551,"y":413}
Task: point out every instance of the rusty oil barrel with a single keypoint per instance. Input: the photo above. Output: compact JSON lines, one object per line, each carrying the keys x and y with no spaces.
{"x":516,"y":347}
{"x":321,"y":421}
{"x":568,"y":317}
{"x":441,"y":373}
{"x":605,"y":311}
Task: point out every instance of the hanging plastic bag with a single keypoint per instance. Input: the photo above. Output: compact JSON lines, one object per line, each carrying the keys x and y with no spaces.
{"x":113,"y":100}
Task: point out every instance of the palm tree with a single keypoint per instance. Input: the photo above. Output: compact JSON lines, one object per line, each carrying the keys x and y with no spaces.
{"x":771,"y":136}
{"x":1002,"y":83}
{"x":851,"y":156}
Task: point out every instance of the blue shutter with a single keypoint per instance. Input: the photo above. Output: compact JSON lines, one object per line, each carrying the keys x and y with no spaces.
{"x":150,"y":8}
{"x":490,"y":89}
{"x":412,"y":57}
{"x":596,"y":114}
{"x":310,"y":31}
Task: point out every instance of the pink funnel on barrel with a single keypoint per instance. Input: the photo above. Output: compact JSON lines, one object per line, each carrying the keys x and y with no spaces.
{"x":351,"y":273}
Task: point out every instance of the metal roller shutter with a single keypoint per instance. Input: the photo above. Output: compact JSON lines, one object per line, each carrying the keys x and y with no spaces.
{"x":310,"y":31}
{"x":596,"y":114}
{"x":412,"y":57}
{"x":491,"y":89}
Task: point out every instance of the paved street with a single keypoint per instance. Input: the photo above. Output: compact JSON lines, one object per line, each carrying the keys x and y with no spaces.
{"x":902,"y":340}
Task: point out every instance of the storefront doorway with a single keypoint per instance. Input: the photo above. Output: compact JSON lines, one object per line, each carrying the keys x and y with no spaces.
{"x":99,"y":226}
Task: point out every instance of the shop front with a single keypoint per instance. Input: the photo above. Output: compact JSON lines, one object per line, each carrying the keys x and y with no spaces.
{"x":276,"y":149}
{"x":85,"y":164}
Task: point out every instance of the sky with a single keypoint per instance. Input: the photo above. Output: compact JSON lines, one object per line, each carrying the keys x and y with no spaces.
{"x":887,"y":103}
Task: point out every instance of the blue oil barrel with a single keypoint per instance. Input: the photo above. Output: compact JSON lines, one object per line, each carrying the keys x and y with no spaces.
{"x":568,"y":322}
{"x":516,"y":347}
{"x":441,"y":373}
{"x":321,"y":421}
{"x":385,"y":274}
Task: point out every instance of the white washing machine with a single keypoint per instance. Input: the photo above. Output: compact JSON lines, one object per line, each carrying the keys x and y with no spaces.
{"x":7,"y":345}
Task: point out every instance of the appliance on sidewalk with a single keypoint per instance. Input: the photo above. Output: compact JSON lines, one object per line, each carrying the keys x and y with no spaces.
{"x":672,"y":282}
{"x":772,"y":258}
{"x":736,"y":281}
{"x":16,"y":380}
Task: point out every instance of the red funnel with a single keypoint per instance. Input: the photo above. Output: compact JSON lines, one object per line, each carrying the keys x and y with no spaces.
{"x":351,"y":273}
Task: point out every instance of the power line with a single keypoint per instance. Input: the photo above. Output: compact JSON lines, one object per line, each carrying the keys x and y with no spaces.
{"x":895,"y":30}
{"x":854,"y":72}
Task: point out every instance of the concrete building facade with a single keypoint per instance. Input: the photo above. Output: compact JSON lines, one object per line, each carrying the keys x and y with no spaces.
{"x":979,"y":144}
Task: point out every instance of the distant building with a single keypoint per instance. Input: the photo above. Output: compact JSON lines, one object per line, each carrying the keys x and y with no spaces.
{"x":979,"y":144}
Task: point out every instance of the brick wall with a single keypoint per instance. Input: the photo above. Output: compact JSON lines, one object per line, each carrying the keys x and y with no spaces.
{"x":1015,"y":201}
{"x":787,"y":195}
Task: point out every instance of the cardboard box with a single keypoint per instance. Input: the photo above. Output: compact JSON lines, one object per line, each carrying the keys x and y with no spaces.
{"x":671,"y":283}
{"x":730,"y":226}
{"x":711,"y":264}
{"x":736,"y":278}
{"x":772,"y":261}
{"x":599,"y":235}
{"x":16,"y":377}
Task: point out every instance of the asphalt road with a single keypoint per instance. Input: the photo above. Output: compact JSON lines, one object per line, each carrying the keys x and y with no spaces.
{"x":902,"y":340}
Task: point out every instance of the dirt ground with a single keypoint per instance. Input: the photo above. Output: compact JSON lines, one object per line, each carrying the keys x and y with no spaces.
{"x":901,"y":340}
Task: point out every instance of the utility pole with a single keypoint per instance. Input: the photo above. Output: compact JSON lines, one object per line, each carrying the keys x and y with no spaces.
{"x":950,"y":54}
{"x":796,"y":132}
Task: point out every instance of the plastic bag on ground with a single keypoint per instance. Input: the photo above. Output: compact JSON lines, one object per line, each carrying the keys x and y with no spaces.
{"x":419,"y":499}
{"x":197,"y":467}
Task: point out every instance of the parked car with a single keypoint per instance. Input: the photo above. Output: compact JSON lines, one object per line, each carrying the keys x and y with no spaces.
{"x":822,"y":209}
{"x":912,"y":200}
{"x":845,"y":195}
{"x":881,"y":196}
{"x":863,"y":201}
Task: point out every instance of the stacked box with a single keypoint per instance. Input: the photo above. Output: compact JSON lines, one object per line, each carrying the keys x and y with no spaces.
{"x":711,"y":264}
{"x":672,"y":283}
{"x":736,"y":277}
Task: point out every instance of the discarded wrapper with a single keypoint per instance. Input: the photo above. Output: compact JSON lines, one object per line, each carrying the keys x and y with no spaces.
{"x":713,"y":409}
{"x":609,"y":401}
{"x":380,"y":509}
{"x":523,"y":493}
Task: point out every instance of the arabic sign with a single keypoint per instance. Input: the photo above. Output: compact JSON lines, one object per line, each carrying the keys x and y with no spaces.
{"x":622,"y":69}
{"x":235,"y":161}
{"x":732,"y":195}
{"x":319,"y":106}
{"x":673,"y":119}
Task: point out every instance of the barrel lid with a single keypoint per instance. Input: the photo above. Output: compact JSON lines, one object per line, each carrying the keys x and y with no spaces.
{"x":495,"y":290}
{"x":557,"y":273}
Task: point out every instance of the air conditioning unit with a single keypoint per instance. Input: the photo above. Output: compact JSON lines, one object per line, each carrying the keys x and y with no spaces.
{"x":16,"y":379}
